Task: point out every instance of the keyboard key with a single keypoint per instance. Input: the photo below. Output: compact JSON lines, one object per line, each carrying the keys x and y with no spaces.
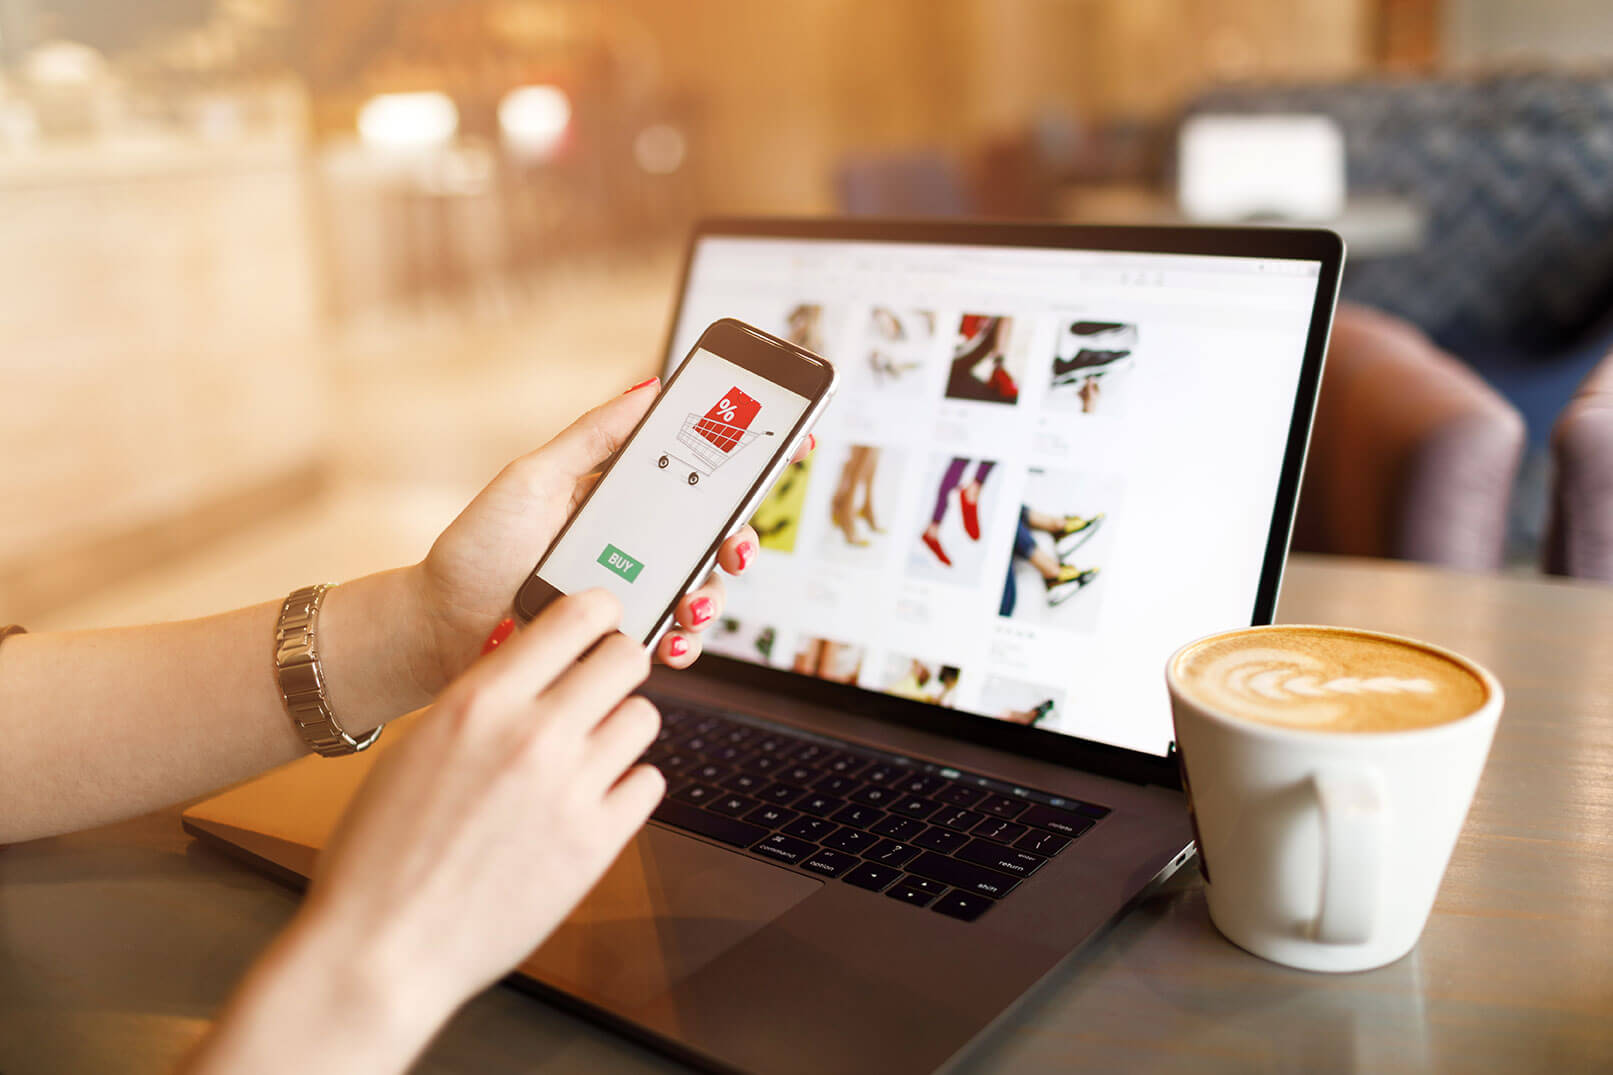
{"x":829,"y":863}
{"x":884,"y":774}
{"x":845,"y":764}
{"x":908,"y":894}
{"x":837,"y":785}
{"x":998,"y":857}
{"x":727,"y":753}
{"x":924,"y":884}
{"x":875,"y":795}
{"x":851,"y":841}
{"x":695,"y":744}
{"x":1092,"y":810}
{"x":1042,"y":843}
{"x":997,"y":829}
{"x":1053,"y":819}
{"x":920,"y":784}
{"x":810,"y":753}
{"x":772,"y":744}
{"x":864,"y":817}
{"x":784,"y":848}
{"x":962,"y":905}
{"x":699,"y":794}
{"x":960,"y":794}
{"x":674,"y":762}
{"x":762,"y":764}
{"x":733,"y":805}
{"x":872,"y":876}
{"x":810,"y":828}
{"x":958,"y":820}
{"x":821,"y":805}
{"x":781,"y":794}
{"x":1002,"y":806}
{"x":916,"y":806}
{"x":703,"y":822}
{"x":964,"y":875}
{"x":774,"y":817}
{"x":892,"y":853}
{"x":738,"y":733}
{"x":943,"y":840}
{"x":748,"y":783}
{"x":898,"y":828}
{"x":796,"y":774}
{"x":707,"y":773}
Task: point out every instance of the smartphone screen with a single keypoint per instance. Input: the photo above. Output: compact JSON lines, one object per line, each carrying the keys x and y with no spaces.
{"x":672,"y":489}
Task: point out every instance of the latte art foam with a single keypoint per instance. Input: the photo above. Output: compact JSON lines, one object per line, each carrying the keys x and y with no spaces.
{"x":1328,"y":679}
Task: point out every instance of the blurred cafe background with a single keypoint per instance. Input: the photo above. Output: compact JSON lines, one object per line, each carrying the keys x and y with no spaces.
{"x":283,"y":282}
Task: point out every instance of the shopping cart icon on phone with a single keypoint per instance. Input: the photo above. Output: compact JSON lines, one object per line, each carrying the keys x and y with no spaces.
{"x":710,"y":439}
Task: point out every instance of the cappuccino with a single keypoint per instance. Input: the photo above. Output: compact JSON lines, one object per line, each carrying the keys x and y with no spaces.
{"x":1328,"y":679}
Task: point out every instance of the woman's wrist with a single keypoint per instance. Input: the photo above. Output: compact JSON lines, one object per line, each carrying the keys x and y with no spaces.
{"x":378,"y":649}
{"x":325,"y":997}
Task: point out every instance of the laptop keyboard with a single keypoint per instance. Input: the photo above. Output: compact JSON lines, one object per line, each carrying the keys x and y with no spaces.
{"x":921,"y":833}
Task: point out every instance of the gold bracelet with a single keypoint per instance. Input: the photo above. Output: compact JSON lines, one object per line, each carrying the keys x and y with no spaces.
{"x":302,"y":678}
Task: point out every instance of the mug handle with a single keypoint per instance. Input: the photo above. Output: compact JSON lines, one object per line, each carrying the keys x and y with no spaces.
{"x":1354,"y":824}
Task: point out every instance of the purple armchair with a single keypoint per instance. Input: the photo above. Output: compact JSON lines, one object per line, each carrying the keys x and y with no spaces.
{"x":1412,"y":454}
{"x":1579,"y":536}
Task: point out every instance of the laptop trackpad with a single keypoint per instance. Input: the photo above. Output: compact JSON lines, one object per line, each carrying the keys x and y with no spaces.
{"x":669,"y":906}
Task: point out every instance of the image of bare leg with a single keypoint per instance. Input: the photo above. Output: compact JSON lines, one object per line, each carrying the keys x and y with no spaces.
{"x":843,"y":505}
{"x":864,"y":461}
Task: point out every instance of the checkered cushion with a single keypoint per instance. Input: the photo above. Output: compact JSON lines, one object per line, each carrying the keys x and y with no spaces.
{"x":1515,"y":173}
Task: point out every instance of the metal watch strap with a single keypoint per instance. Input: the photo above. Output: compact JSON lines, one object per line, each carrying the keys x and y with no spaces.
{"x":302,"y":680}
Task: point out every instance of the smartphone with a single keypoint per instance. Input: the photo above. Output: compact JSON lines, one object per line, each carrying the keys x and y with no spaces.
{"x":718,"y":436}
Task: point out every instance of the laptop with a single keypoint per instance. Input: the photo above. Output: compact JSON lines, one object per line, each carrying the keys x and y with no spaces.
{"x":929,"y":754}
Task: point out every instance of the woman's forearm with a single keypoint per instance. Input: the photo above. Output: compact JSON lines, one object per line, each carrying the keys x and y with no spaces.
{"x":101,"y":725}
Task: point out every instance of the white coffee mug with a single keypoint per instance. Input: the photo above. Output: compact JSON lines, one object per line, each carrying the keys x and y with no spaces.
{"x":1323,"y":850}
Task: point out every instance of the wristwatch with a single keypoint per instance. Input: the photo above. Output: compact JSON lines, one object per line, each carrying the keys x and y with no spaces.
{"x":302,"y":680}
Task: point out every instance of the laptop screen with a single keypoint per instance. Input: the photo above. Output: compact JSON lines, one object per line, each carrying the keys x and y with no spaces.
{"x":1045,"y":469}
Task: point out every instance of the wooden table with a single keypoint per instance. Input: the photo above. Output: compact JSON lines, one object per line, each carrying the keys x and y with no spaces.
{"x":117,"y":944}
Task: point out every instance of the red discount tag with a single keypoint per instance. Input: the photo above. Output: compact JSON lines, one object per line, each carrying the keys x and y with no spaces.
{"x":729,"y":418}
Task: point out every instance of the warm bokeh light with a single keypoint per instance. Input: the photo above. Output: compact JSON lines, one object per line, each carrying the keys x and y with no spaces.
{"x":408,"y":121}
{"x":659,"y":149}
{"x":533,"y":119}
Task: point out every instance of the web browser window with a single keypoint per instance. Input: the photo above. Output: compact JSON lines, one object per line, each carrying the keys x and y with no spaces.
{"x":708,"y":439}
{"x":1044,"y":469}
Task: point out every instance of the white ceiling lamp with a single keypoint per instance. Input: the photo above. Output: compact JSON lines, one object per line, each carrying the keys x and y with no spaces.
{"x":408,"y":122}
{"x":533,"y":120}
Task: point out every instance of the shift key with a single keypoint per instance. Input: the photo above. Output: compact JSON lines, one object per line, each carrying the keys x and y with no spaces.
{"x":962,"y":875}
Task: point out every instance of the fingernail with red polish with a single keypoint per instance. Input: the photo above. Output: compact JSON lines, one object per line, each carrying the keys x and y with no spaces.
{"x":700,"y":610}
{"x":677,"y":647}
{"x":505,"y":628}
{"x":812,"y":442}
{"x":745,"y":551}
{"x":641,"y":384}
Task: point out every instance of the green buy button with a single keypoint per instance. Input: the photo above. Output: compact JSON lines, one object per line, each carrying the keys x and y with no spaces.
{"x":621,"y":563}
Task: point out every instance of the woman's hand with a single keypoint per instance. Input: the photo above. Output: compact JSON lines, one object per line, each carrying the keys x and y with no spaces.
{"x":472,"y":838}
{"x":468,"y":581}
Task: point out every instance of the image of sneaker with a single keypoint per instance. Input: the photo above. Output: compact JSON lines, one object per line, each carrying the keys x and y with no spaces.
{"x":1088,"y":362}
{"x":1077,"y":532}
{"x":1069,"y":582}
